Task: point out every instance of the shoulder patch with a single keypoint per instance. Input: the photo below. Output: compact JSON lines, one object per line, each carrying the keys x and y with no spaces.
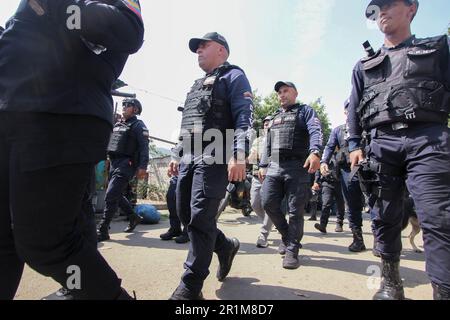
{"x":248,"y":95}
{"x":134,"y":6}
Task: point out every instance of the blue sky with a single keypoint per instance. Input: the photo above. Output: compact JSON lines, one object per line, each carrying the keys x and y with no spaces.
{"x":314,"y":43}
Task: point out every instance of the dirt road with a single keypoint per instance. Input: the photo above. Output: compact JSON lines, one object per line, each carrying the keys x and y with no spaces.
{"x":328,"y":270}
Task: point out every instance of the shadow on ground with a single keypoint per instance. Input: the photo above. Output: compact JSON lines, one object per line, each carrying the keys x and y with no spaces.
{"x":413,"y":277}
{"x":248,"y":289}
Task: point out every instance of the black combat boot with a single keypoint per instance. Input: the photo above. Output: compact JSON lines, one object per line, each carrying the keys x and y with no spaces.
{"x":134,"y":221}
{"x":125,"y":296}
{"x":391,"y":284}
{"x":358,"y":241}
{"x":313,"y":212}
{"x":321,"y":228}
{"x":183,"y":294}
{"x":291,"y":260}
{"x":61,"y":294}
{"x":170,"y":234}
{"x":440,"y":293}
{"x":103,"y":231}
{"x":183,"y":238}
{"x":226,"y":259}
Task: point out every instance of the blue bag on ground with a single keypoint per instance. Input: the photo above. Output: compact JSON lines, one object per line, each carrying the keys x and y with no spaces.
{"x":149,"y":213}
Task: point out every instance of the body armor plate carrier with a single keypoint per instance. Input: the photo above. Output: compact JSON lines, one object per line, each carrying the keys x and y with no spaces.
{"x":122,"y":142}
{"x":406,"y":85}
{"x":204,"y":109}
{"x":287,"y":138}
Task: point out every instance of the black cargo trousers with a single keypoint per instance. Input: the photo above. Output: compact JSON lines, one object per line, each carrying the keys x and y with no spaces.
{"x":46,"y":165}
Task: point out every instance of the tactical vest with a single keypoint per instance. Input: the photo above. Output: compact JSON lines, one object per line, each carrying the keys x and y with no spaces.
{"x":287,"y":137}
{"x":406,"y":85}
{"x":122,"y":141}
{"x":204,"y":109}
{"x":343,"y":154}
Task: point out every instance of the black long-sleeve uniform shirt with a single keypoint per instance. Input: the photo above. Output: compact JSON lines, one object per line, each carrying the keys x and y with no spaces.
{"x":49,"y":64}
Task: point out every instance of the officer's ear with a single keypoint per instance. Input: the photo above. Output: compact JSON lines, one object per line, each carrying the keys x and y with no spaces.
{"x":223,"y":52}
{"x":412,"y":11}
{"x":136,"y":110}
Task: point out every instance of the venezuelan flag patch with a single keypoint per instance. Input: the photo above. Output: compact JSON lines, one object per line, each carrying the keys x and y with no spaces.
{"x":134,"y":6}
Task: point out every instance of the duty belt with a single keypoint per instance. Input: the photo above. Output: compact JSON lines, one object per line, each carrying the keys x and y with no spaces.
{"x":396,"y":126}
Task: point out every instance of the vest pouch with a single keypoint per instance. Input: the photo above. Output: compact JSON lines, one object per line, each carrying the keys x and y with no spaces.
{"x":117,"y":142}
{"x":437,"y":98}
{"x":204,"y":104}
{"x":366,"y":107}
{"x":402,"y":100}
{"x":374,"y":71}
{"x":282,"y":138}
{"x":422,"y":63}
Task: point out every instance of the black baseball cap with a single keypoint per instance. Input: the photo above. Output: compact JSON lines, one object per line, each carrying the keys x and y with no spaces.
{"x":194,"y":43}
{"x":371,"y":13}
{"x":280,"y":84}
{"x":133,"y":102}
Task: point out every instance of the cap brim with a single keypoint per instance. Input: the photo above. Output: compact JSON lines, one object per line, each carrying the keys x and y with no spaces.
{"x":279,"y":84}
{"x":195,"y":43}
{"x":370,"y":12}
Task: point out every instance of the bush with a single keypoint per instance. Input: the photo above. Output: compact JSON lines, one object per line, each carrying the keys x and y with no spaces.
{"x":156,"y":193}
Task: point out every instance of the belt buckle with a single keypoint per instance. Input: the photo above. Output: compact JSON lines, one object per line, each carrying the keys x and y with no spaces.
{"x":399,"y":125}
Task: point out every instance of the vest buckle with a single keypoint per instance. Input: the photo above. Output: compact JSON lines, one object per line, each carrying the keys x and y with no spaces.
{"x":410,"y":115}
{"x":399,"y":125}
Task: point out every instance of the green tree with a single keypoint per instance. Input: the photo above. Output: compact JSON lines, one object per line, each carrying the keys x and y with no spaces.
{"x":320,"y":109}
{"x":267,"y":106}
{"x":153,"y":150}
{"x":264,"y":107}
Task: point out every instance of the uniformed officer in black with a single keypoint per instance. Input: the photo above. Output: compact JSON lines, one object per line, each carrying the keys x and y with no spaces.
{"x":55,"y":122}
{"x":330,"y":183}
{"x":350,"y":183}
{"x":214,"y":144}
{"x":401,"y":98}
{"x":128,"y":153}
{"x":293,"y":149}
{"x":176,"y":230}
